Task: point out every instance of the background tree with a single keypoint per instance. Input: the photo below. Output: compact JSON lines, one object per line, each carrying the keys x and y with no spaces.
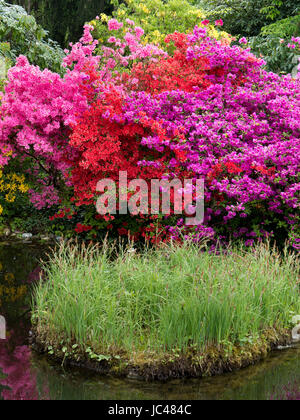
{"x":248,"y":17}
{"x":21,"y":34}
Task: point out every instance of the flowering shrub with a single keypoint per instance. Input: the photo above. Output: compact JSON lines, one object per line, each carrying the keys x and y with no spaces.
{"x":37,"y":109}
{"x":204,"y":110}
{"x":157,"y":18}
{"x":11,"y":185}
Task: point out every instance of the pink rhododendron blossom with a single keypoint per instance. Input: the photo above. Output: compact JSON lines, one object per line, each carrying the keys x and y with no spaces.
{"x":114,"y":25}
{"x":112,"y":40}
{"x":219,"y":22}
{"x":243,"y":41}
{"x":139,"y":32}
{"x":130,"y":22}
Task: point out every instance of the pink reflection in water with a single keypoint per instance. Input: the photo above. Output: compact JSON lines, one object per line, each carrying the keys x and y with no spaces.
{"x":15,"y":363}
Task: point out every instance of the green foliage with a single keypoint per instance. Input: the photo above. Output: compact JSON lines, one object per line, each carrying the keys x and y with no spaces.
{"x":5,"y":63}
{"x":285,"y":28}
{"x":279,"y":58}
{"x":247,"y":17}
{"x":21,"y":34}
{"x":276,"y":9}
{"x":108,"y":300}
{"x":272,"y":44}
{"x":22,"y":216}
{"x":241,"y":17}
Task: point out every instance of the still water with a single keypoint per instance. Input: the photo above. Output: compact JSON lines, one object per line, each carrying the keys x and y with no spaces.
{"x":25,"y":375}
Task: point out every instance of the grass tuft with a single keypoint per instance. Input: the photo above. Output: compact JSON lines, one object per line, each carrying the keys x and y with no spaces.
{"x":160,"y":300}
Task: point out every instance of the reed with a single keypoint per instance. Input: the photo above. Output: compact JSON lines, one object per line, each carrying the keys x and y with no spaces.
{"x":164,"y":299}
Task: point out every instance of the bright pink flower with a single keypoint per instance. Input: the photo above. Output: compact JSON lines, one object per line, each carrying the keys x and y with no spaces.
{"x":205,"y":22}
{"x":112,"y":40}
{"x":130,"y":22}
{"x":243,"y":41}
{"x":114,"y":25}
{"x":139,"y":32}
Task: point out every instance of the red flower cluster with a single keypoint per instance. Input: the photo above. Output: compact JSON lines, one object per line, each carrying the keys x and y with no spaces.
{"x":107,"y":145}
{"x":62,"y":214}
{"x":221,"y":170}
{"x":82,"y":228}
{"x":264,"y":171}
{"x":158,"y":77}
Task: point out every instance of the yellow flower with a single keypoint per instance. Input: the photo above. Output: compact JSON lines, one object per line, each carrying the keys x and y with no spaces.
{"x":10,"y":198}
{"x":9,"y":277}
{"x":8,"y":153}
{"x":10,"y":185}
{"x":23,"y":188}
{"x":104,"y":17}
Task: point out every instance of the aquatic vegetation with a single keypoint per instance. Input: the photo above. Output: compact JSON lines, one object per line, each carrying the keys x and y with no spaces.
{"x":192,"y":302}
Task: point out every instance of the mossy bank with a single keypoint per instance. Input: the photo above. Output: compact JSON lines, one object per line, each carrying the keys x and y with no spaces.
{"x":173,"y":365}
{"x":168,"y":313}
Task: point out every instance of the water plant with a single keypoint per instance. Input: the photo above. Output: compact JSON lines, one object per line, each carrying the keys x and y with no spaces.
{"x":165,"y":301}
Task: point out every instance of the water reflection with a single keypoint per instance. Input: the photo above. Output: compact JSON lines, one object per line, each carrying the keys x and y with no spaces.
{"x":27,"y":376}
{"x":258,"y":382}
{"x":18,"y":270}
{"x":18,"y":382}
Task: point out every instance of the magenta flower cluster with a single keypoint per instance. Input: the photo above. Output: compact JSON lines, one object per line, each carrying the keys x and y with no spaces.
{"x":244,"y":139}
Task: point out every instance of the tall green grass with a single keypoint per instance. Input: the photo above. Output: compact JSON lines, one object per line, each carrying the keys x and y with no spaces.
{"x":165,"y":299}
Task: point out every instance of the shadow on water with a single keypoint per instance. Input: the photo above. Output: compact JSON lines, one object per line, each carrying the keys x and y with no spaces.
{"x":25,"y":375}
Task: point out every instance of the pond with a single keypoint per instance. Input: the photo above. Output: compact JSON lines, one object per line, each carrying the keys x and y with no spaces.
{"x":26,"y":375}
